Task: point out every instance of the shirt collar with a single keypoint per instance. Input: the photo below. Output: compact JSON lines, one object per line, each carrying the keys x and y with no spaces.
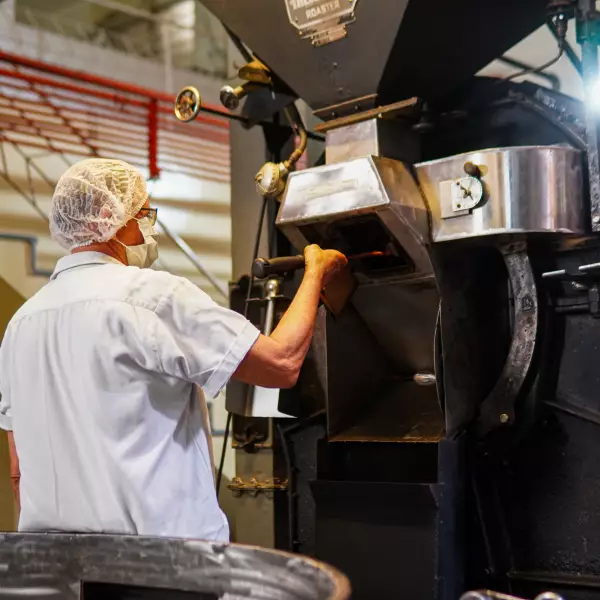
{"x":80,"y":259}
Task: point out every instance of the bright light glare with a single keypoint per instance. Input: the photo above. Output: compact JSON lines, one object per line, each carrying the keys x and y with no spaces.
{"x":593,"y":95}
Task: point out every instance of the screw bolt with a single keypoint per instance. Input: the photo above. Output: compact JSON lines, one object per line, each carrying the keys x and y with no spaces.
{"x":596,"y":219}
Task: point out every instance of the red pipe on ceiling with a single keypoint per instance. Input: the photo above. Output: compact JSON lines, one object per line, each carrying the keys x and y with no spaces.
{"x":66,"y":128}
{"x":97,"y":80}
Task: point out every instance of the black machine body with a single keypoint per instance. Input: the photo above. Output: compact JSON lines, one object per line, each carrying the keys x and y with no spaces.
{"x":450,"y":441}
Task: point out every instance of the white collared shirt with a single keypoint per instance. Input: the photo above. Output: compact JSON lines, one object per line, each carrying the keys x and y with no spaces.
{"x":99,"y":376}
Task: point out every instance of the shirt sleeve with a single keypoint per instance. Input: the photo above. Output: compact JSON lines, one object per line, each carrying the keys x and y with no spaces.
{"x":198,"y":340}
{"x":5,"y":414}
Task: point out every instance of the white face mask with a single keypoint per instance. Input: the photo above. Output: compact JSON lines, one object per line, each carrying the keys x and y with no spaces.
{"x":143,"y":255}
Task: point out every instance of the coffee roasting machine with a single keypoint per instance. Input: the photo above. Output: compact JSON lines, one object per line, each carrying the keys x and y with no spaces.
{"x":446,"y":433}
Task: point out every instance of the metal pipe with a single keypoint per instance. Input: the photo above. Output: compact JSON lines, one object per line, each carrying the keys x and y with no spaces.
{"x":117,"y":134}
{"x":591,"y":582}
{"x":291,"y":490}
{"x":33,"y":166}
{"x":272,"y":290}
{"x":32,"y":243}
{"x":53,"y":83}
{"x":295,"y":120}
{"x":575,"y":411}
{"x":568,"y":49}
{"x":153,"y":139}
{"x":213,"y":171}
{"x":74,"y":130}
{"x":125,"y":104}
{"x":129,"y":122}
{"x":553,"y":80}
{"x":185,"y":248}
{"x":116,"y":85}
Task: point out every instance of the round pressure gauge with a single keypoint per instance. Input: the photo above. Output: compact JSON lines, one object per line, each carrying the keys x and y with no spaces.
{"x":467,"y":193}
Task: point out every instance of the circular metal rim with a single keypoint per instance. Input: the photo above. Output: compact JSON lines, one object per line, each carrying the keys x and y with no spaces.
{"x":117,"y":559}
{"x":198,"y":104}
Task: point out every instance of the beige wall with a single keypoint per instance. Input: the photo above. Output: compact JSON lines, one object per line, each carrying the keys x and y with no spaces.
{"x":10,"y":301}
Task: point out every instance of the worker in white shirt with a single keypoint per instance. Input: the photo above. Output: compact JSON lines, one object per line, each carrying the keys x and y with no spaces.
{"x":101,"y":370}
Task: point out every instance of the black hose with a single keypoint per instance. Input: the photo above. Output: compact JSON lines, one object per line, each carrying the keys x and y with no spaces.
{"x":246,"y":307}
{"x":533,"y":71}
{"x":553,"y":80}
{"x":571,"y":54}
{"x":291,"y":490}
{"x":559,"y":27}
{"x":223,"y":452}
{"x":291,"y":473}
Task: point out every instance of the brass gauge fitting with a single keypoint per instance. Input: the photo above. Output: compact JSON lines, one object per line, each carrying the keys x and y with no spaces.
{"x":272,"y":177}
{"x":270,"y":180}
{"x":230,"y":96}
{"x":256,"y":76}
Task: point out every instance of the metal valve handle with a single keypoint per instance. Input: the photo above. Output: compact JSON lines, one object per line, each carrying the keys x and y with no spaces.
{"x":188,"y":104}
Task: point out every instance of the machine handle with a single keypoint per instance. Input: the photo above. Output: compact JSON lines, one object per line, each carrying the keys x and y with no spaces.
{"x":265,"y":267}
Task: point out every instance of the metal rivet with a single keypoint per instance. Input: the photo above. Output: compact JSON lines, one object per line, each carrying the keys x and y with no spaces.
{"x":504,"y":418}
{"x":596,"y":219}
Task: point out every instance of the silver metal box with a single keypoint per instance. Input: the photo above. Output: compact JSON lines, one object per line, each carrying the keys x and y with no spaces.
{"x":525,"y":189}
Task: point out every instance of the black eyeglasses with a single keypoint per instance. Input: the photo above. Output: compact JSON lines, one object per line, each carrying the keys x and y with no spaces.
{"x":150,"y":213}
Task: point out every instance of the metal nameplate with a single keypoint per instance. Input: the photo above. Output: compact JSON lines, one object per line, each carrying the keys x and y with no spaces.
{"x":323,"y":21}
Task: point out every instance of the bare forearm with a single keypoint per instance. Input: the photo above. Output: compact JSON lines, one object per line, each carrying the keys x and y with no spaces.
{"x":275,"y":361}
{"x":15,"y":473}
{"x":294,"y":331}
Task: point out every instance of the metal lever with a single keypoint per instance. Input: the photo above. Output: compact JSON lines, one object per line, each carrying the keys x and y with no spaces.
{"x":266,"y":267}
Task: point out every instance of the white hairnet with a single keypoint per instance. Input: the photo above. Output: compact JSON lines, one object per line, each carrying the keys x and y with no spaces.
{"x":93,"y":200}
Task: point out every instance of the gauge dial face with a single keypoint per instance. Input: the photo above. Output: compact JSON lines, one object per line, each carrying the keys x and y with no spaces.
{"x":467,"y":193}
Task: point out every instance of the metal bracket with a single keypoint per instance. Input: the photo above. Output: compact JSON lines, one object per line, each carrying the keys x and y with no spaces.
{"x":497,"y":409}
{"x":585,"y":279}
{"x":254,"y":487}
